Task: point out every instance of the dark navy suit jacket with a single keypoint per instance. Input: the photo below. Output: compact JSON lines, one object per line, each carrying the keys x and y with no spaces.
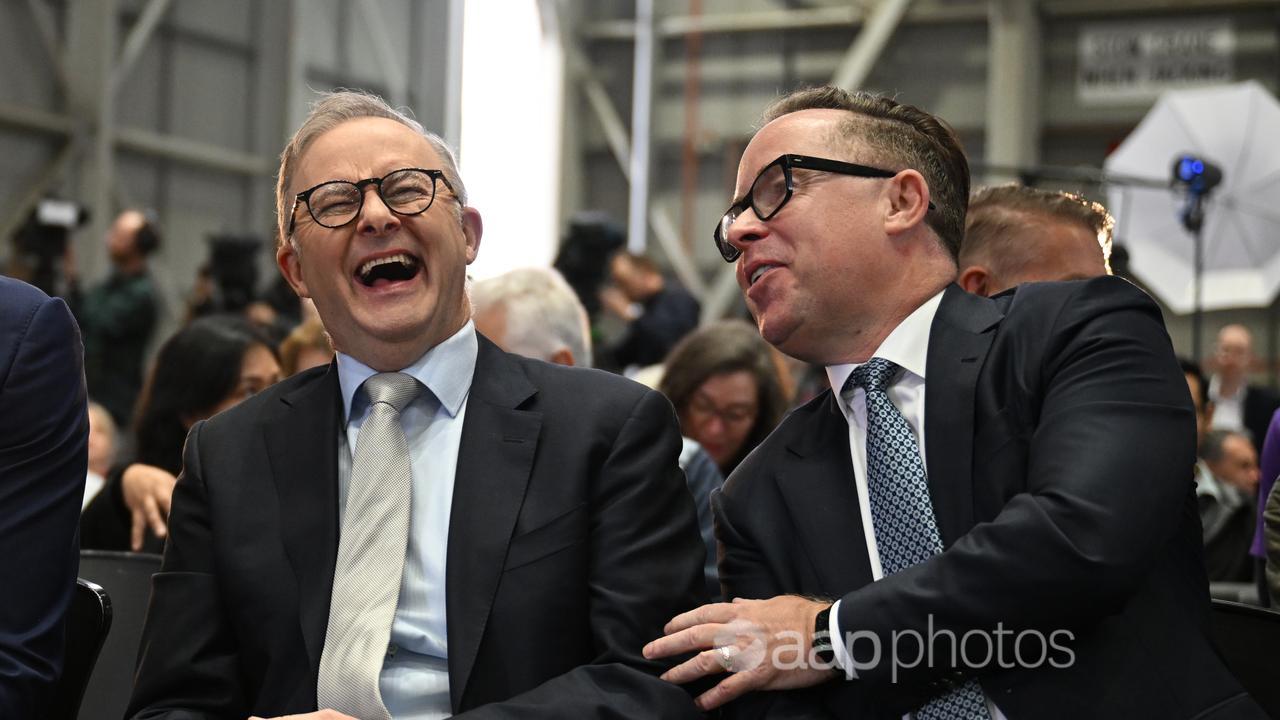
{"x":44,"y":453}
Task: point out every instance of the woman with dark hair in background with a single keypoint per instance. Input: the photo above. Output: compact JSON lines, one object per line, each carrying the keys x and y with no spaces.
{"x":726,"y":388}
{"x":207,"y":367}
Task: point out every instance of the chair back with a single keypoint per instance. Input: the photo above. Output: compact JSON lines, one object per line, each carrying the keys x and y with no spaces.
{"x":88,"y":623}
{"x":127,"y":576}
{"x":1248,"y":638}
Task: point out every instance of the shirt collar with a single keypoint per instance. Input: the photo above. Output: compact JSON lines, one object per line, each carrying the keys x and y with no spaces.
{"x":446,"y":370}
{"x":907,"y":346}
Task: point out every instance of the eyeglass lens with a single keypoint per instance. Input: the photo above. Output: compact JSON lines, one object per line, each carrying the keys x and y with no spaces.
{"x":767,"y":195}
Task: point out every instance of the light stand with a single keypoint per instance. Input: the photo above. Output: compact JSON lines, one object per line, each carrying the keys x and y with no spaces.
{"x":1198,"y":177}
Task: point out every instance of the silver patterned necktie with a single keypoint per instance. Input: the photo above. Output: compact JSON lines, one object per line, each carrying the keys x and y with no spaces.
{"x":905,"y":527}
{"x":371,"y":552}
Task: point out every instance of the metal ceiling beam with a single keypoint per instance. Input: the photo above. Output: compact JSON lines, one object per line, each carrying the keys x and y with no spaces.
{"x":392,"y":68}
{"x":641,"y":118}
{"x":866,"y":48}
{"x":136,"y":42}
{"x":1014,"y":62}
{"x":48,"y":32}
{"x":777,"y":20}
{"x":844,"y":16}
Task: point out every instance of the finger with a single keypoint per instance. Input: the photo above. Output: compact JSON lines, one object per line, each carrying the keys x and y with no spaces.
{"x":732,"y":688}
{"x":136,"y":529}
{"x":713,"y":613}
{"x":165,"y":498}
{"x":703,"y":664}
{"x":698,"y":637}
{"x":153,"y":516}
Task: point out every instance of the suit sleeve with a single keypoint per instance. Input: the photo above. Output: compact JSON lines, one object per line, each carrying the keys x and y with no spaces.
{"x":1108,"y":471}
{"x":646,"y":567}
{"x":44,"y":436}
{"x":741,"y":563}
{"x":188,"y":666}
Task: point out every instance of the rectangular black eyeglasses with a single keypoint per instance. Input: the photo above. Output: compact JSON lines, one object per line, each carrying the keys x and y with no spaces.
{"x":766,"y":201}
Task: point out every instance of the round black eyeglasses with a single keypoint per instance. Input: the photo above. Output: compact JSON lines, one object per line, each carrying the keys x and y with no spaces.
{"x":773,"y":187}
{"x":332,"y":204}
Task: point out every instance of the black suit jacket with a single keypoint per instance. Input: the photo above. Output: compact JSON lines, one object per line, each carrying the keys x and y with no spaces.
{"x":1260,"y":403}
{"x":44,"y":455}
{"x":1060,"y":440}
{"x":572,"y":540}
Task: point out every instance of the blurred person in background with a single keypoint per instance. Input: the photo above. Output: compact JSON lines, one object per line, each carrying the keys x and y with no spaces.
{"x":1270,"y":470}
{"x":726,"y":389}
{"x":307,"y":346}
{"x":205,"y":368}
{"x":44,"y":438}
{"x":1239,"y":404}
{"x":118,"y":316}
{"x":1015,"y":234}
{"x":658,"y":311}
{"x":1227,"y":507}
{"x":533,"y":312}
{"x":102,"y":450}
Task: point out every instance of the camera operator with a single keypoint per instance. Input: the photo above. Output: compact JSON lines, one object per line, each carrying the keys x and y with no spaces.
{"x":118,"y":316}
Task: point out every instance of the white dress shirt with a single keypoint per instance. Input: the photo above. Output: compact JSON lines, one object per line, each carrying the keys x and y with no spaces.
{"x":908,"y":347}
{"x":1228,"y":410}
{"x":415,"y":674}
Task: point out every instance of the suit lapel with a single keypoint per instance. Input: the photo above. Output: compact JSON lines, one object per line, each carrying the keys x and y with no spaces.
{"x":818,"y":488}
{"x":959,"y":339}
{"x":302,"y":446}
{"x":494,"y":462}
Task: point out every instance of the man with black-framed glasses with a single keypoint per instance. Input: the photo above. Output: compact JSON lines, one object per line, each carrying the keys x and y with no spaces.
{"x":991,"y":513}
{"x":428,"y":526}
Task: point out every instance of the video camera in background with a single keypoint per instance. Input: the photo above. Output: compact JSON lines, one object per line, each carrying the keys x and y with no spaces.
{"x":233,"y":269}
{"x":41,"y":241}
{"x":584,"y":255}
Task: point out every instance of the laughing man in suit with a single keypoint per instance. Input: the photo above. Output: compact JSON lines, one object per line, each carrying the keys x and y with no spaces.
{"x":549,"y":531}
{"x":1012,"y":475}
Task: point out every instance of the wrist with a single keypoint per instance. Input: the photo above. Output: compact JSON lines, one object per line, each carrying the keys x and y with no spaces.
{"x":822,"y":645}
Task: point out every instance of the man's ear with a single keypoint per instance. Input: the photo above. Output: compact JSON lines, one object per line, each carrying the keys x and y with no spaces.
{"x":975,"y":279}
{"x":563,"y":356}
{"x":472,"y":229}
{"x":291,"y":269}
{"x":908,"y":201}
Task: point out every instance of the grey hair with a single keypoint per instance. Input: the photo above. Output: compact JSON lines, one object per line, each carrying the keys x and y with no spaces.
{"x":1211,"y":450}
{"x":543,"y":314}
{"x":330,"y":111}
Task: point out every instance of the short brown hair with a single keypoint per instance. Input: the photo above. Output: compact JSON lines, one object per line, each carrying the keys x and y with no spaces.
{"x":999,"y":214}
{"x":900,"y":136}
{"x":724,"y":347}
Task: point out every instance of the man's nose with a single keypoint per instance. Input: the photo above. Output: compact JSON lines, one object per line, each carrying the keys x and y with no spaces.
{"x":746,"y":228}
{"x":375,"y":217}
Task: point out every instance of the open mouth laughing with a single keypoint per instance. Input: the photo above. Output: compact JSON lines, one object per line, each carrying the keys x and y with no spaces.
{"x":388,"y":269}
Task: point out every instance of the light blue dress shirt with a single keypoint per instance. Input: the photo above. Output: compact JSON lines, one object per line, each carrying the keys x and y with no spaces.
{"x":415,"y":674}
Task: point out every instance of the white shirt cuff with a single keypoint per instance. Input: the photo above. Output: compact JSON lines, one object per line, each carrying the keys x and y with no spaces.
{"x":844,"y":660}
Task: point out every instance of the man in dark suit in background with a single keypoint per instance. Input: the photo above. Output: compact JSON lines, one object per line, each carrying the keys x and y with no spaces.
{"x":1239,"y":404}
{"x":44,"y":456}
{"x":991,"y":513}
{"x":505,"y":546}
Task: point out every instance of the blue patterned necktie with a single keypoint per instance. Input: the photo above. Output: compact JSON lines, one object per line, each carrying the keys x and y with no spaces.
{"x":905,"y":527}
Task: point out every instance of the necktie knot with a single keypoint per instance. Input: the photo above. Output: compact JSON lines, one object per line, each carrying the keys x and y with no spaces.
{"x":872,"y":376}
{"x":394,"y":389}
